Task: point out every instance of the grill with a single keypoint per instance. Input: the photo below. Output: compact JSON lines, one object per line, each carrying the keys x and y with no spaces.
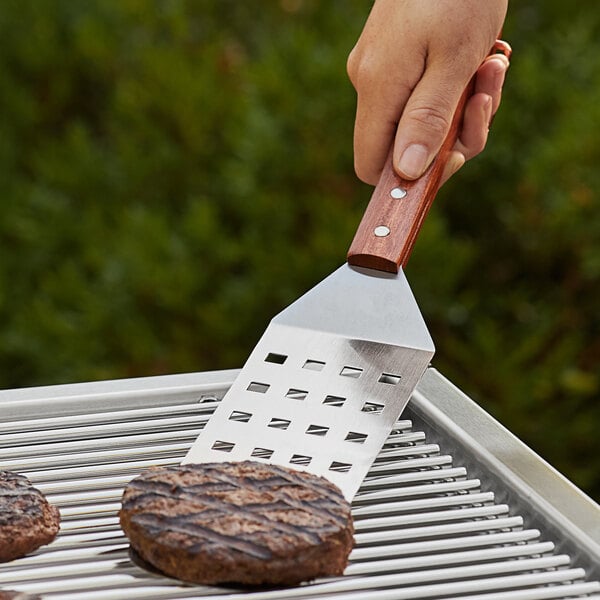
{"x":454,"y":507}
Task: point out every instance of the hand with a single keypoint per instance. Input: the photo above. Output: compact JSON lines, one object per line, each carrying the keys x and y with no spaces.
{"x":409,"y":67}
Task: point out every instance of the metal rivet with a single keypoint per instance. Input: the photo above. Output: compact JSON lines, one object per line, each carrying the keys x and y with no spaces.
{"x":398,"y":193}
{"x":381,"y":231}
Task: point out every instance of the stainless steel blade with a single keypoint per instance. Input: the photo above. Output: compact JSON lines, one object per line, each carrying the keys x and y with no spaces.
{"x":327,"y":381}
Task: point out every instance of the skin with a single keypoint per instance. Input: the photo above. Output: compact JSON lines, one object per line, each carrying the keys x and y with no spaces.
{"x":409,"y":67}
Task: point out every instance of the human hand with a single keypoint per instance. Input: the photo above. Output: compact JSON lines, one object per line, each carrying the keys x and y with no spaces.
{"x":409,"y":67}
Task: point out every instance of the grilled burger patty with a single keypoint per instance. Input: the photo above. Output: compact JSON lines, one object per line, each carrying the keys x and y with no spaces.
{"x":27,"y":520}
{"x":238,"y":522}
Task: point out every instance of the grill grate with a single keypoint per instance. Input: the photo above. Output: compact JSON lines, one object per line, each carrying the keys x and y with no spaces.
{"x":425,"y":527}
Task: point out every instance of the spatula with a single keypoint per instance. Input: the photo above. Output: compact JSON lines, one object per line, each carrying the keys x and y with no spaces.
{"x":330,"y":376}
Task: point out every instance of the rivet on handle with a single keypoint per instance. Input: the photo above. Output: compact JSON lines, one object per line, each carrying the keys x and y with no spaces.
{"x":381,"y":231}
{"x":398,"y":193}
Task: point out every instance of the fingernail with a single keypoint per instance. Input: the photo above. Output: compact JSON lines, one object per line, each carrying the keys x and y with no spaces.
{"x":413,"y":161}
{"x":499,"y":77}
{"x":487,"y":111}
{"x":499,"y":80}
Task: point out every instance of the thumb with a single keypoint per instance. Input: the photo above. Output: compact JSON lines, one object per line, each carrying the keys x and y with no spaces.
{"x":425,"y":123}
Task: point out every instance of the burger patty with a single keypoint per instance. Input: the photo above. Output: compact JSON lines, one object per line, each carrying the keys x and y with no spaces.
{"x":27,"y":520}
{"x":14,"y":595}
{"x":240,"y":522}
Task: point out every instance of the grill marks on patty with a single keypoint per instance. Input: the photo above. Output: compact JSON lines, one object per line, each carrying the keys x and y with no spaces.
{"x":250,"y":513}
{"x":228,"y":496}
{"x":186,"y":526}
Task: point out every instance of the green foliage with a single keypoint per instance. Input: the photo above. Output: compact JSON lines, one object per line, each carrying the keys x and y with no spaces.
{"x":173,"y":173}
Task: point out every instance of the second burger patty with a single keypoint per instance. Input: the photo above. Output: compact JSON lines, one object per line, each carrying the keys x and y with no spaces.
{"x":27,"y":519}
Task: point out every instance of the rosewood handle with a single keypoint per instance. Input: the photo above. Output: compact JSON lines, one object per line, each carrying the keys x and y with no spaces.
{"x":390,"y":225}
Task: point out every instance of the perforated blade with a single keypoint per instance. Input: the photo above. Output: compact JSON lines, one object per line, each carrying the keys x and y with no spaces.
{"x":327,"y":381}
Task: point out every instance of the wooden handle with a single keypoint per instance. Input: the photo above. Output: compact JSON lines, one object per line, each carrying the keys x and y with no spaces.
{"x":397,"y":209}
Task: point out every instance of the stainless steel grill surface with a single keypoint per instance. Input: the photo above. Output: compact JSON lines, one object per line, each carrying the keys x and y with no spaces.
{"x":453,"y":507}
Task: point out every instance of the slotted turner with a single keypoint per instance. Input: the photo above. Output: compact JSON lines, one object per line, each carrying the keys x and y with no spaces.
{"x":325,"y":384}
{"x":327,"y":381}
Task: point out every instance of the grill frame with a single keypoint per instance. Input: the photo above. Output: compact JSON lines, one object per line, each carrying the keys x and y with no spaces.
{"x":507,"y":467}
{"x":520,"y":477}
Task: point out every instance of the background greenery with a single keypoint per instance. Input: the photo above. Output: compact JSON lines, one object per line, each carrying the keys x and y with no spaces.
{"x":173,"y":173}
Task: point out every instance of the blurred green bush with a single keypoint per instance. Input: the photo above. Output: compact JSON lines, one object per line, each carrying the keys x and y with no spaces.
{"x":173,"y":173}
